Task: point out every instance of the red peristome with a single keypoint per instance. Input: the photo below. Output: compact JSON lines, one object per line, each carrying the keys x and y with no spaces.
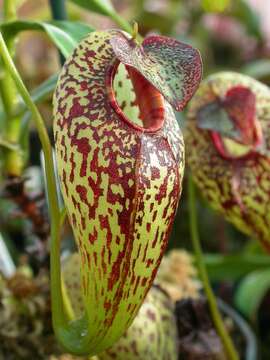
{"x":240,"y":104}
{"x":148,"y":99}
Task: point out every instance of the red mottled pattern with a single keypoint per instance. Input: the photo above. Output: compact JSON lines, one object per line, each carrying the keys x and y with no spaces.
{"x":238,"y":186}
{"x":240,"y":104}
{"x":153,"y":333}
{"x":121,"y":185}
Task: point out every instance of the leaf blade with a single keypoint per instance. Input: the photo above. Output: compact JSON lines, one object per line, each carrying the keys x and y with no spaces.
{"x":251,"y":292}
{"x":64,"y":34}
{"x":232,"y":267}
{"x":103,"y":7}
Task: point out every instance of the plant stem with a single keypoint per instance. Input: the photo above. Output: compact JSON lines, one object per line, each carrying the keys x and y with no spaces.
{"x":59,"y":12}
{"x":74,"y":336}
{"x":42,"y":132}
{"x":58,"y":8}
{"x":57,"y":303}
{"x":6,"y":92}
{"x":9,"y":10}
{"x":125,"y":25}
{"x":6,"y":84}
{"x":217,"y":319}
{"x":13,"y":160}
{"x":9,"y":14}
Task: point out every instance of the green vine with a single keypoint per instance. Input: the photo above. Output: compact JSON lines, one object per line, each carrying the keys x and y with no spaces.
{"x":9,"y":10}
{"x":74,"y":336}
{"x":217,"y":319}
{"x":13,"y":160}
{"x":55,"y":215}
{"x":59,"y":12}
{"x":125,"y":25}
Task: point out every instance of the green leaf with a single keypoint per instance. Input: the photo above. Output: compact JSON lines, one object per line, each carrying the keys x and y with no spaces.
{"x":213,"y":117}
{"x":46,"y":88}
{"x":38,"y":94}
{"x":215,"y":6}
{"x":251,"y":348}
{"x":64,"y":34}
{"x":251,"y":292}
{"x":233,"y":267}
{"x":2,"y":117}
{"x":103,"y":7}
{"x":248,"y":17}
{"x":258,"y":69}
{"x":8,"y":145}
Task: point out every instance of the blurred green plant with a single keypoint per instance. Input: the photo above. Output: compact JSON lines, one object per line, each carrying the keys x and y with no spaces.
{"x":251,"y":292}
{"x":215,"y":6}
{"x":64,"y":34}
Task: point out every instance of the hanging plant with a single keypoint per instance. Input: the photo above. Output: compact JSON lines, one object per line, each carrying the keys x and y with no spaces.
{"x":227,"y":139}
{"x":121,"y":167}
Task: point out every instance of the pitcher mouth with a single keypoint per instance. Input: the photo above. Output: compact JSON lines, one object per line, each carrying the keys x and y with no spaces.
{"x":231,"y":121}
{"x":149,"y":101}
{"x":230,"y":148}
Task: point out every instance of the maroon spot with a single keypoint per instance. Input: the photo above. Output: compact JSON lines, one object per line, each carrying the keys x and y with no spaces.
{"x":136,"y":285}
{"x":93,"y":237}
{"x":151,"y":315}
{"x":149,"y":262}
{"x":84,"y":85}
{"x":155,"y":173}
{"x":107,"y":305}
{"x":115,"y":274}
{"x":155,"y":239}
{"x":144,"y":281}
{"x":73,"y":166}
{"x":64,"y":180}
